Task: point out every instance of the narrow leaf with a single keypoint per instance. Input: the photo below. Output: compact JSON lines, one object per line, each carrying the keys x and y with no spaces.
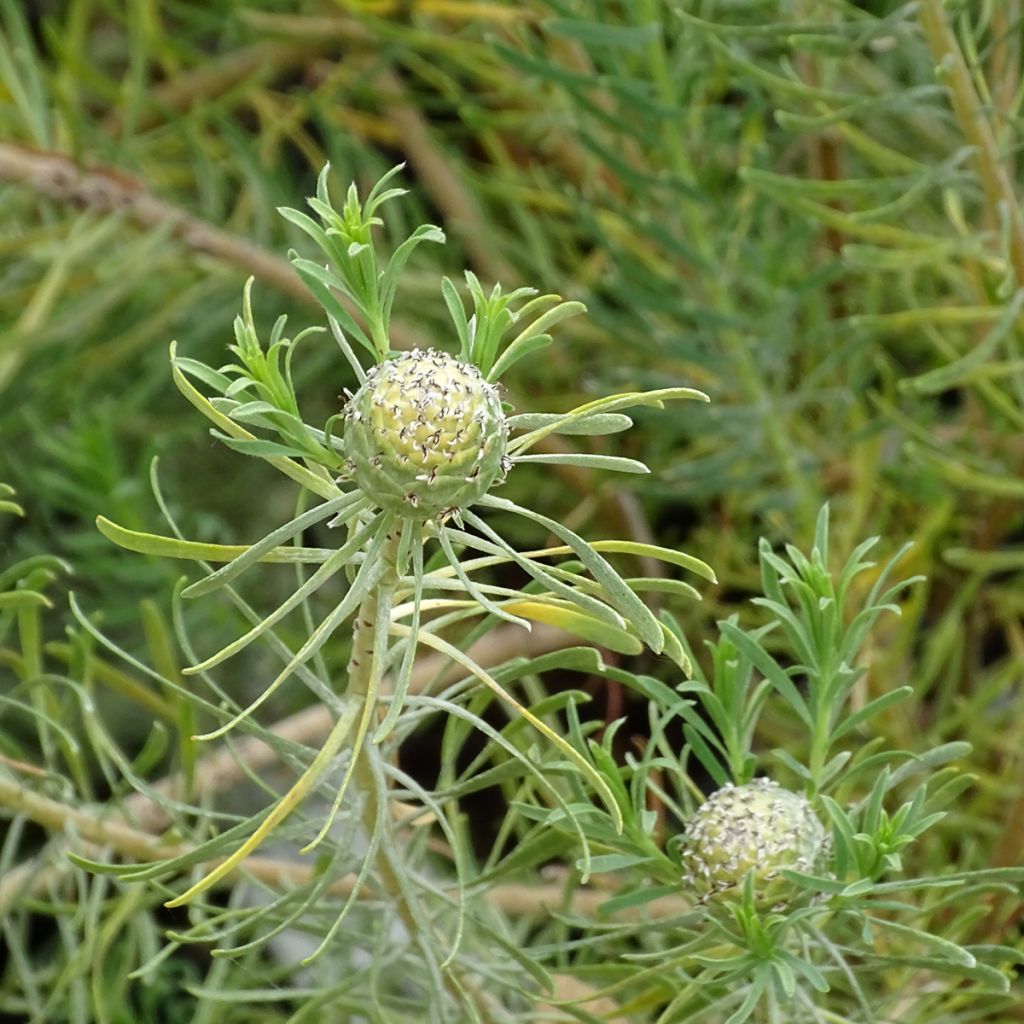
{"x":619,"y":594}
{"x":613,"y":463}
{"x":545,"y":730}
{"x":306,"y":782}
{"x":172,"y":547}
{"x":571,"y":620}
{"x":601,"y":423}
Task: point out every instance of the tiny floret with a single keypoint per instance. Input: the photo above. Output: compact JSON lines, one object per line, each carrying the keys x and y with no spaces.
{"x":758,"y":828}
{"x":425,"y":434}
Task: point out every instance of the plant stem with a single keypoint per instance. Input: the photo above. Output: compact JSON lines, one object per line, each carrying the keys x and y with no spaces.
{"x":974,"y":124}
{"x":819,"y":751}
{"x":363,"y":666}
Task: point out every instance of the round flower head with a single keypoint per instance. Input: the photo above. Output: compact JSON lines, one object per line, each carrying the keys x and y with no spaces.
{"x":425,"y":435}
{"x":758,"y":828}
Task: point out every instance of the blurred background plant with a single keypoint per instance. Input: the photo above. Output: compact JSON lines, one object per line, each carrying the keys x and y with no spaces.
{"x":806,"y":208}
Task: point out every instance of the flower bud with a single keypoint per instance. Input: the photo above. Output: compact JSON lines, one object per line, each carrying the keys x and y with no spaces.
{"x":425,"y":435}
{"x":757,"y":828}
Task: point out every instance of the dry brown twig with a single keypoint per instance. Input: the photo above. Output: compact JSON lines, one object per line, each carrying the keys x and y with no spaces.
{"x":578,"y":993}
{"x":223,"y":768}
{"x":135,"y":831}
{"x":93,"y":832}
{"x":108,"y":190}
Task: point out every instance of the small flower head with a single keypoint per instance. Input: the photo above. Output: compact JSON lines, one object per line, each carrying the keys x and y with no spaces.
{"x":425,"y":434}
{"x":758,"y":828}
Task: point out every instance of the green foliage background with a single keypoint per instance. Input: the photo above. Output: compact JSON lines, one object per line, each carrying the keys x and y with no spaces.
{"x":806,"y":208}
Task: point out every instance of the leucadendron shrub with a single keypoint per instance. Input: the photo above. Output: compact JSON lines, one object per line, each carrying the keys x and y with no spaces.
{"x":696,"y":876}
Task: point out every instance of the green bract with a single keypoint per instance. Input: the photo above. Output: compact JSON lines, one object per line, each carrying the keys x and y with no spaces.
{"x":425,"y":435}
{"x":758,"y":828}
